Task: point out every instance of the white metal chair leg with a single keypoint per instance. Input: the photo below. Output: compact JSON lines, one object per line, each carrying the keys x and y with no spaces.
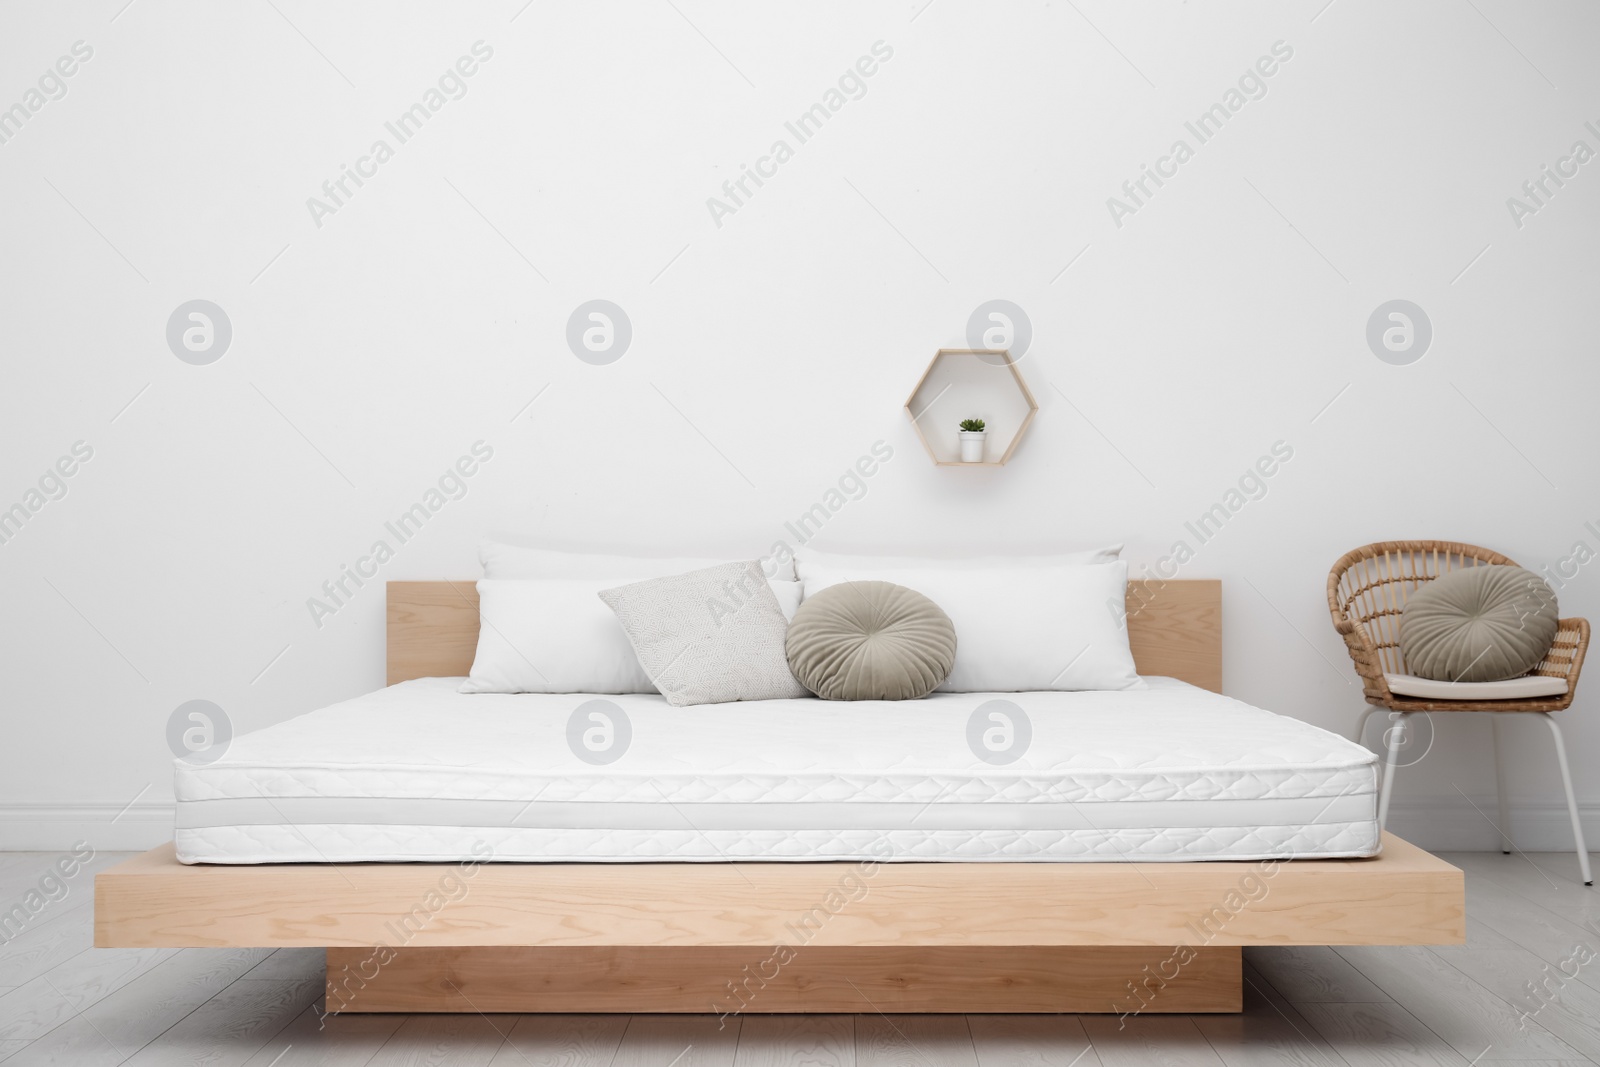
{"x":1572,"y":798}
{"x":1500,"y":788}
{"x":1368,"y":712}
{"x":1394,"y":738}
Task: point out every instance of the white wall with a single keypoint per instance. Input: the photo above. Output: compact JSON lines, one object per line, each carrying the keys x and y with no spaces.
{"x":369,"y":352}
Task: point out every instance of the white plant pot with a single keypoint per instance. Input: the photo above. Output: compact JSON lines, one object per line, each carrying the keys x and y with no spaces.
{"x":972,"y":445}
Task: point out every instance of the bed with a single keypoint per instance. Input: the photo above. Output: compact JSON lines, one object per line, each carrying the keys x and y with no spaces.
{"x":787,"y":856}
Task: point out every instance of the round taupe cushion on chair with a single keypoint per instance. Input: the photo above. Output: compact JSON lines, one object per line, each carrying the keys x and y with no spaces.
{"x":1478,"y":624}
{"x":870,"y":641}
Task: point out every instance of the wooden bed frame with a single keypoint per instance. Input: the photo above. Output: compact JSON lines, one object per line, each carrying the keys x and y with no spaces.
{"x":787,"y":937}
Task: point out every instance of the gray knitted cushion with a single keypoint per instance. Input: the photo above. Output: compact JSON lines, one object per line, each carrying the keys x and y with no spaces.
{"x":709,"y":636}
{"x":1479,"y":624}
{"x":871,"y":641}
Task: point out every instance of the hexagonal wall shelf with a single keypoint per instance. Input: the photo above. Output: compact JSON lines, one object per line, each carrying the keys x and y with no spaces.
{"x":971,"y":383}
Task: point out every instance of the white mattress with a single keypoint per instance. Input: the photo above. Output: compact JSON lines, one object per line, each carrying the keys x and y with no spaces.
{"x":420,"y":772}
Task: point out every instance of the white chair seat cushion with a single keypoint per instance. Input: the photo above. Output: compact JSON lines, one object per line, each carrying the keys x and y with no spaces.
{"x":1528,"y":687}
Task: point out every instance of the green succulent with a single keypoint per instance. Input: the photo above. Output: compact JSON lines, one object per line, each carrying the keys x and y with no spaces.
{"x":972,"y":425}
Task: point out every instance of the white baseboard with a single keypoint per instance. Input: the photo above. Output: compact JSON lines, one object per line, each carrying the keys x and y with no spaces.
{"x":1439,"y":824}
{"x":1451,"y":824}
{"x":106,"y":827}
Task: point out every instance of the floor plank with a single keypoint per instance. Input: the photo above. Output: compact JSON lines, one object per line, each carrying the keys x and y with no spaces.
{"x":338,"y":1041}
{"x":41,"y":947}
{"x":1574,"y":1017}
{"x":34,"y":1009}
{"x":1483,"y":939}
{"x":1268,"y":1033}
{"x":120,"y":1024}
{"x":797,"y":1041}
{"x":1140,"y":1040}
{"x":1030,"y":1041}
{"x":29,"y":873}
{"x":1532,"y":876}
{"x":1476,"y":1022}
{"x":1264,"y":1040}
{"x":562,"y":1041}
{"x":290,"y":964}
{"x":1564,"y":867}
{"x":914,"y":1041}
{"x":1381,"y":1035}
{"x":73,"y":906}
{"x":75,"y":1043}
{"x":1496,"y":915}
{"x":678,"y":1041}
{"x":230,"y":1027}
{"x":80,"y":895}
{"x":1314,"y":975}
{"x":444,"y":1041}
{"x":61,"y":929}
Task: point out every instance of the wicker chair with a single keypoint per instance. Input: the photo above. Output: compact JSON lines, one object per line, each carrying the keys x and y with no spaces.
{"x":1367,"y":590}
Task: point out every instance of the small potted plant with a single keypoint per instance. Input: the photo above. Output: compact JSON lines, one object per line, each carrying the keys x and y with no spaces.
{"x":971,"y":435}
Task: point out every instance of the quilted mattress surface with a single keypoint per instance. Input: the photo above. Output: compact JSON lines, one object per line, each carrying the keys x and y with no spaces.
{"x":420,"y":772}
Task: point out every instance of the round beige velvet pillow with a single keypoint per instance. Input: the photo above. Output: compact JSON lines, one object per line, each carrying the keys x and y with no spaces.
{"x":870,"y":641}
{"x":1479,"y":624}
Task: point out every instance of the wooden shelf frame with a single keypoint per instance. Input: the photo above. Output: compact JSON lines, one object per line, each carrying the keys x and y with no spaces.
{"x":996,"y":357}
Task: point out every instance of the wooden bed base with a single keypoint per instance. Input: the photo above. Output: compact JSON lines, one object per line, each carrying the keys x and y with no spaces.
{"x":727,"y":982}
{"x":765,"y":937}
{"x":729,"y":938}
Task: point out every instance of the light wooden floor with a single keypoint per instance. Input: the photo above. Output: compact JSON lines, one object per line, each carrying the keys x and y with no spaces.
{"x":62,"y":1002}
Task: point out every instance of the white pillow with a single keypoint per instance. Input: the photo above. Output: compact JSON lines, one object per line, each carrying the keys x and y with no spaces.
{"x":557,"y":636}
{"x":808,"y":561}
{"x":789,"y":595}
{"x":502,"y":559}
{"x":1022,"y":629}
{"x":551,"y":636}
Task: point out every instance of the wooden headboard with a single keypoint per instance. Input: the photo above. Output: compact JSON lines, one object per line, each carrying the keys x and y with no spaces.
{"x":1174,"y":628}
